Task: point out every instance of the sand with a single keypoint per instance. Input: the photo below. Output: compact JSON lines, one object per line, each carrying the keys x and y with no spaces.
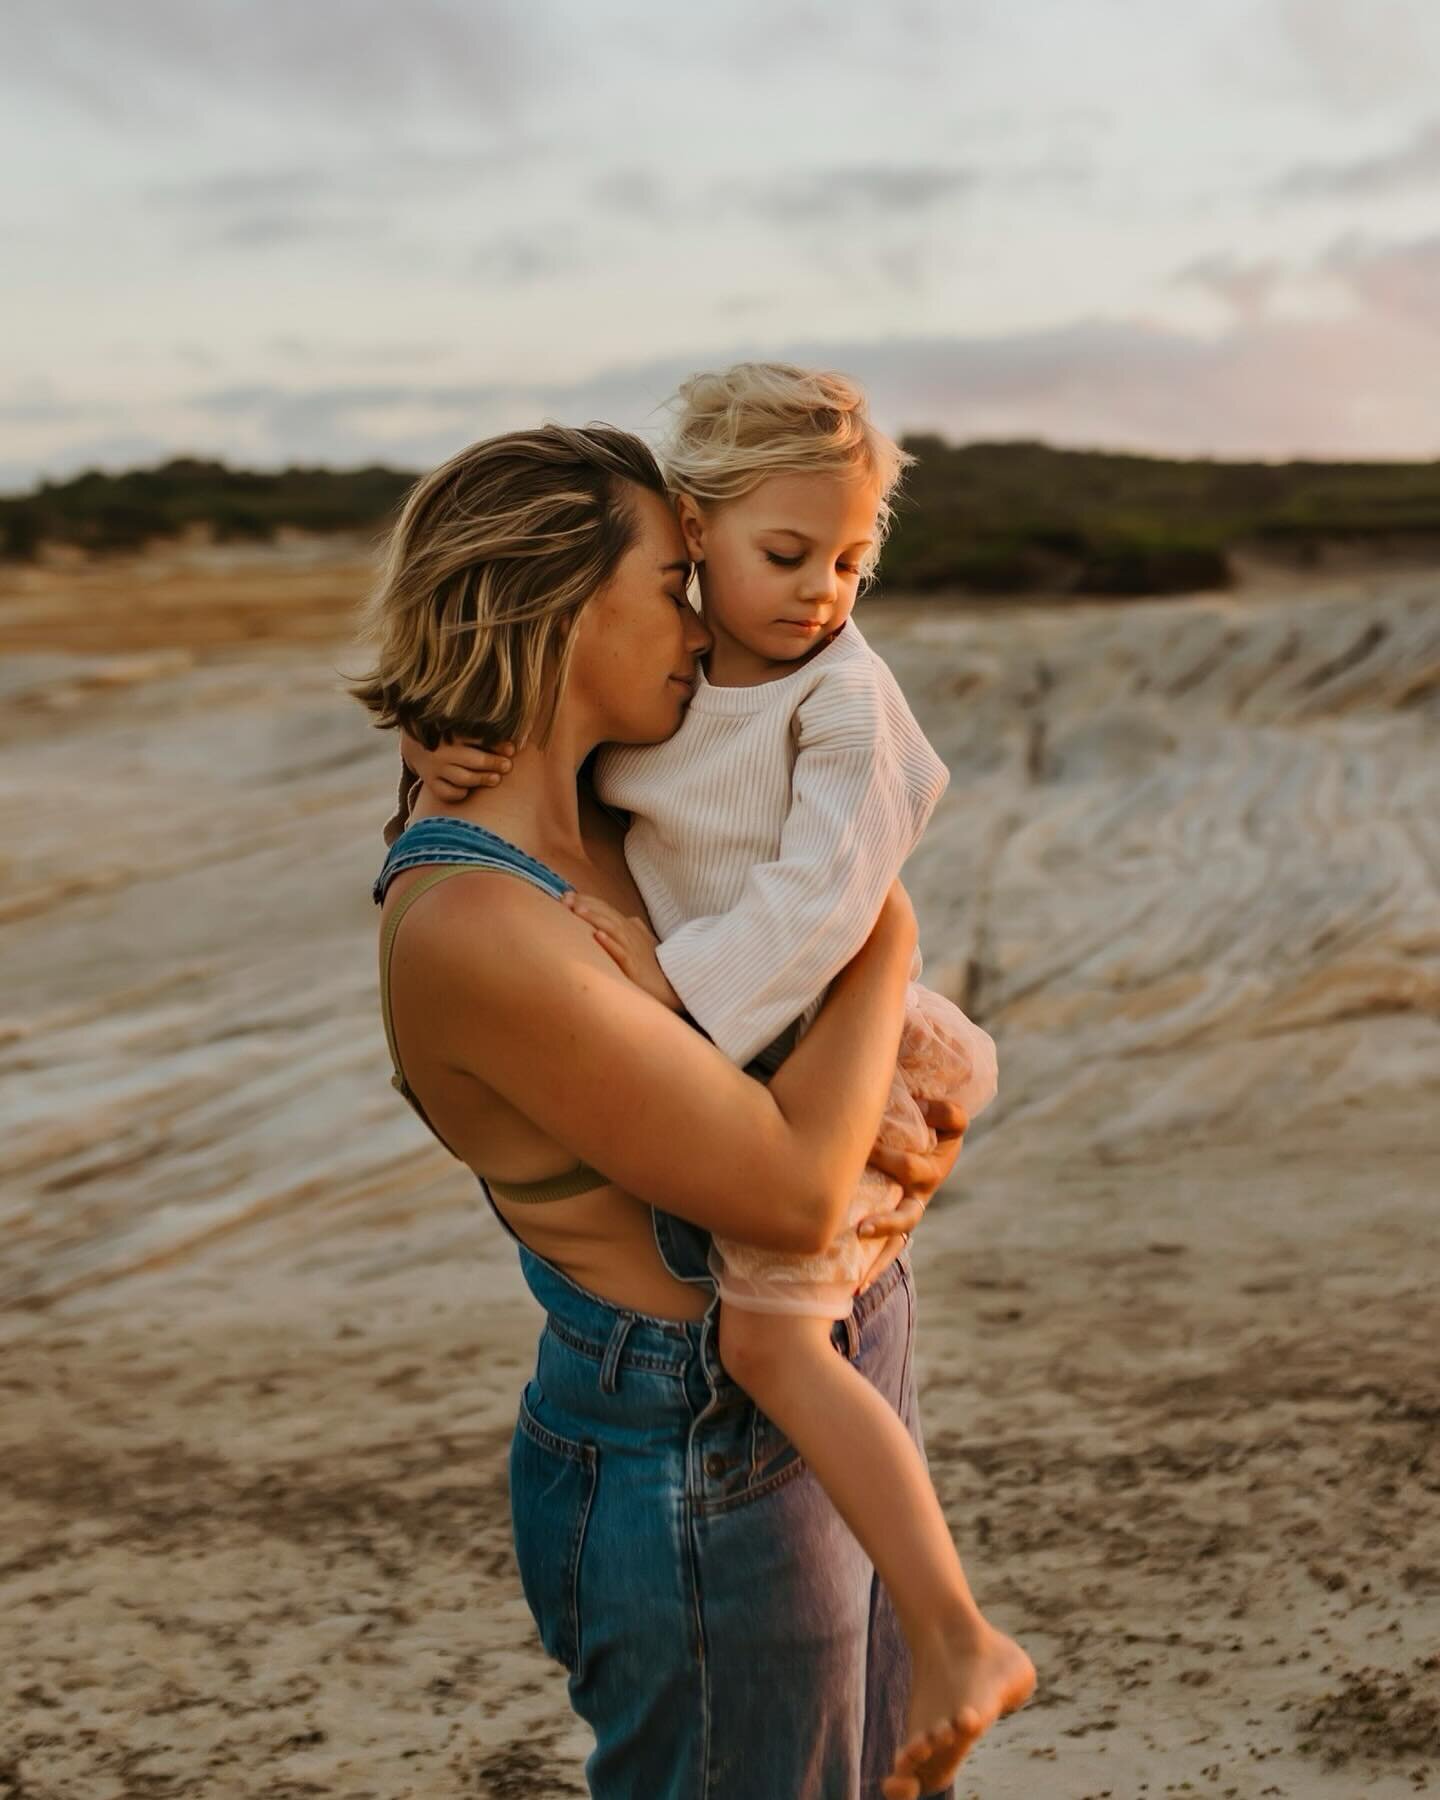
{"x":260,"y":1348}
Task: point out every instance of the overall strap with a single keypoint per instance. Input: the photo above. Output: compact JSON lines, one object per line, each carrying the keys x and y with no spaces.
{"x":431,"y":878}
{"x":564,"y":1186}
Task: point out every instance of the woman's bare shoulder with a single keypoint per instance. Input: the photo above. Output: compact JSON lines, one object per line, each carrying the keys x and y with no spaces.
{"x":495,"y":961}
{"x":478,"y":917}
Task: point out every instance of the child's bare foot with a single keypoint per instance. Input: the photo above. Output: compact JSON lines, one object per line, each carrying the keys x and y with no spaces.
{"x":930,"y":1759}
{"x":966,"y":1681}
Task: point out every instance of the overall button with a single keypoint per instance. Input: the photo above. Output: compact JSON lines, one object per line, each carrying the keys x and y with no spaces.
{"x":715,"y":1465}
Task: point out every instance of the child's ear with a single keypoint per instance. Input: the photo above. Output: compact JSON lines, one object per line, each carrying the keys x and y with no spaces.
{"x":692,"y":526}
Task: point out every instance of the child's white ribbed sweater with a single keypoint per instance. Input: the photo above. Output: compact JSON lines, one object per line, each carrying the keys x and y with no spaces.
{"x":766,"y":834}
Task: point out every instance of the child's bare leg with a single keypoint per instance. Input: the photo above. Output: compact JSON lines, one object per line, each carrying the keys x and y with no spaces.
{"x":965,"y":1673}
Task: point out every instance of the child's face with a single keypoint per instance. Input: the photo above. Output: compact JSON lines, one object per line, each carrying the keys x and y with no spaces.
{"x":782,"y":563}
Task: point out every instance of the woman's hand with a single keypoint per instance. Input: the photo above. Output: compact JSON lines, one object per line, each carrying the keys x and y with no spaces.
{"x":456,"y":766}
{"x":628,"y":942}
{"x":919,"y":1172}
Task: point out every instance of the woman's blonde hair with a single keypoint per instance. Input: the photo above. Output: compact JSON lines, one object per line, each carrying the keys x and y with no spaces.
{"x":492,"y":558}
{"x":736,"y":427}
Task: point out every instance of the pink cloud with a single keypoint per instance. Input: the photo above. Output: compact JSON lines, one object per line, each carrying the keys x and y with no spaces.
{"x":1399,"y":278}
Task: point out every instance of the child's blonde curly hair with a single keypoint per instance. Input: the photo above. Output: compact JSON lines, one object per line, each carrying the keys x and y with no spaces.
{"x":736,"y":427}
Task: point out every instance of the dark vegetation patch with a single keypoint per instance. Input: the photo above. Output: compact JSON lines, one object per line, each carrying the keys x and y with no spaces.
{"x":106,"y":513}
{"x":1008,"y":518}
{"x":999,"y":519}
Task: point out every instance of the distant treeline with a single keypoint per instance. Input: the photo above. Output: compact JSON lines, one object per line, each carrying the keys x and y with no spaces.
{"x":1005,"y":518}
{"x":124,"y":512}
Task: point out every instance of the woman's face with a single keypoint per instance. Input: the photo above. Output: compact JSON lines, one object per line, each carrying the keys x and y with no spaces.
{"x":639,"y":637}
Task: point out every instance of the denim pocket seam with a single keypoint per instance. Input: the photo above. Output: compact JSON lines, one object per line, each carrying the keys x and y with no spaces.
{"x":583,"y":1454}
{"x":581,"y":1531}
{"x":728,"y":1502}
{"x":907,"y":1283}
{"x":573,"y":1448}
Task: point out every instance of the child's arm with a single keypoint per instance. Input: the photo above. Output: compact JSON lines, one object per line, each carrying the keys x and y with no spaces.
{"x":864,"y":785}
{"x":450,"y":771}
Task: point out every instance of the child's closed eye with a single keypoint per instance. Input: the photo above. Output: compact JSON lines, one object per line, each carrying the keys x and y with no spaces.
{"x":794,"y":562}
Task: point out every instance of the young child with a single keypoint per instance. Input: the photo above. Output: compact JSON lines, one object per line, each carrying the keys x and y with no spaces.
{"x":763,"y":837}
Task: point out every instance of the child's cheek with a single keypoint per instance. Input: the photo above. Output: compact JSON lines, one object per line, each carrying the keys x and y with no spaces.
{"x":769,"y":586}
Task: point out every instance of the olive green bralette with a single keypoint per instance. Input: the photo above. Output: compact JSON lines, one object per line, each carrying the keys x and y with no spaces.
{"x":563,"y":1186}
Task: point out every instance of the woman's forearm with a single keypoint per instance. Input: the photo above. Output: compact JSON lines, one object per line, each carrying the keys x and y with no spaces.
{"x":533,"y":1009}
{"x":833,"y":1085}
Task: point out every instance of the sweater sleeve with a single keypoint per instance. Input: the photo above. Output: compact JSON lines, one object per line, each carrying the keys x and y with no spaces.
{"x":864,"y":783}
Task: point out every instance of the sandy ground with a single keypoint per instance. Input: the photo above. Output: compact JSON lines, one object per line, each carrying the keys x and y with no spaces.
{"x":259,"y":1347}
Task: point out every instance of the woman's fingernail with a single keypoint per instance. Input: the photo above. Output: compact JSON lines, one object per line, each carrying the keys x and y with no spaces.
{"x":505,"y":764}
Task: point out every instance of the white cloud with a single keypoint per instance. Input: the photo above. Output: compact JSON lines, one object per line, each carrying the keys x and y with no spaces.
{"x":1363,"y":54}
{"x":365,"y":63}
{"x":1245,"y":287}
{"x":1413,"y":164}
{"x":1353,"y":387}
{"x":543,"y":206}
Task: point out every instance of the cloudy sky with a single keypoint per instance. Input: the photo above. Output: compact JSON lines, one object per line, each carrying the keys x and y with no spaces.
{"x":349,"y":230}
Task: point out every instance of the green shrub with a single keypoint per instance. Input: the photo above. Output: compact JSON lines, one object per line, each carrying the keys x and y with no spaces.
{"x":999,"y":518}
{"x":1140,"y":566}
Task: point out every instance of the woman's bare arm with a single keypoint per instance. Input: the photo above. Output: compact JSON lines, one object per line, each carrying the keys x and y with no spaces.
{"x":511,"y":988}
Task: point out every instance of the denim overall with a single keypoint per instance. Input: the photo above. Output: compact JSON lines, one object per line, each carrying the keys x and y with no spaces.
{"x":724,"y":1635}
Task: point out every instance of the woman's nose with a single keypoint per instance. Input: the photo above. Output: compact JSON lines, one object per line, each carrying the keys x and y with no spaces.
{"x":698,"y":636}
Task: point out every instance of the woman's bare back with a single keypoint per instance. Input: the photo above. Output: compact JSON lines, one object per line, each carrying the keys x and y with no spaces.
{"x":602,"y":1239}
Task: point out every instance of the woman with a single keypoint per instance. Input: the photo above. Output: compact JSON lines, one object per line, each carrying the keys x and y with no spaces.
{"x":722,"y":1632}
